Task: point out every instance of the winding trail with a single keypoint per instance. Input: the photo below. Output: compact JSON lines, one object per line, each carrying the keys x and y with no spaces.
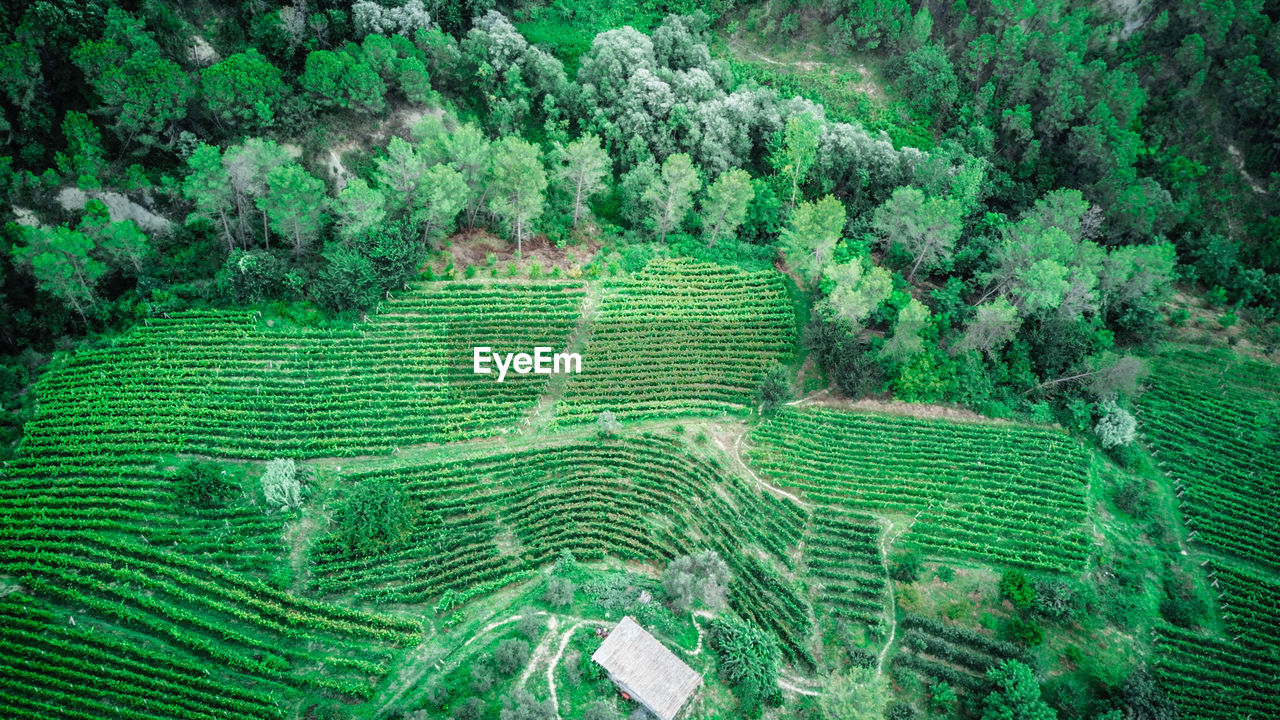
{"x":565,"y":637}
{"x":540,"y":652}
{"x":737,"y":456}
{"x":893,"y":600}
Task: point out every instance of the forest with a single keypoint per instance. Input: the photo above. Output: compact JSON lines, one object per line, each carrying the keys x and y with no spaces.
{"x":962,"y":317}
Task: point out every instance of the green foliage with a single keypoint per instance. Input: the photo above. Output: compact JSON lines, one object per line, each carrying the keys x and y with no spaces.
{"x":810,"y":240}
{"x":724,"y":207}
{"x":244,"y":90}
{"x":748,"y":660}
{"x":511,"y":656}
{"x":204,"y":484}
{"x":375,"y":518}
{"x":906,"y":568}
{"x":517,"y":185}
{"x":776,"y":388}
{"x":1016,"y":695}
{"x":1025,"y":632}
{"x":859,"y":694}
{"x":61,"y":262}
{"x":697,"y":580}
{"x":1016,"y":587}
{"x":670,"y":196}
{"x":558,"y":592}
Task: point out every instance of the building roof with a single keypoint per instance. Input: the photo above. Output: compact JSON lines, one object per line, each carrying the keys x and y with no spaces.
{"x":646,"y":670}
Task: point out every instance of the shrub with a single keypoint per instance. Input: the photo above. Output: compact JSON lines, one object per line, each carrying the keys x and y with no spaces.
{"x":749,"y":659}
{"x":522,"y":705}
{"x":473,"y":709}
{"x":1025,"y":632}
{"x":1058,"y":600}
{"x":202,"y":483}
{"x":945,"y":573}
{"x":511,"y":655}
{"x":1117,"y":428}
{"x":280,"y":484}
{"x":1016,"y":588}
{"x":775,"y":388}
{"x":906,"y":568}
{"x":1178,"y":317}
{"x":1133,"y":498}
{"x":607,"y":425}
{"x":601,"y":710}
{"x":530,"y":624}
{"x":941,"y":697}
{"x":559,"y":592}
{"x":376,"y":516}
{"x":698,"y":579}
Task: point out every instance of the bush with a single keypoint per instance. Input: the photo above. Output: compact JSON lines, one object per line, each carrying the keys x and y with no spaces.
{"x":906,"y":568}
{"x":1024,"y":632}
{"x":511,"y":655}
{"x":900,"y":711}
{"x":1057,"y":600}
{"x":280,"y":484}
{"x":749,"y":659}
{"x":1016,"y":588}
{"x":1178,"y":317}
{"x":941,"y":697}
{"x":472,"y":709}
{"x":945,"y":573}
{"x":522,"y":705}
{"x":202,"y":483}
{"x":377,"y":515}
{"x":775,"y":388}
{"x":1134,"y":499}
{"x":601,"y":710}
{"x":482,"y":676}
{"x":530,"y":624}
{"x":698,"y":579}
{"x":559,"y":592}
{"x":1117,"y":428}
{"x":607,"y":425}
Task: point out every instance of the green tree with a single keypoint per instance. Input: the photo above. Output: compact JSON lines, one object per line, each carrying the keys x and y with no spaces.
{"x":724,"y":207}
{"x":122,"y":243}
{"x":415,"y":81}
{"x":857,"y":694}
{"x":400,"y":173}
{"x":810,"y":240}
{"x":244,"y":90}
{"x":1016,"y":695}
{"x":84,"y":156}
{"x":295,"y":202}
{"x":670,"y":197}
{"x":926,"y":229}
{"x":377,"y":515}
{"x":698,"y":579}
{"x":208,"y":187}
{"x":582,"y":172}
{"x":442,"y":195}
{"x":907,"y":340}
{"x":343,"y":80}
{"x":359,"y":208}
{"x":143,"y":91}
{"x":749,"y":659}
{"x":992,"y":326}
{"x":517,"y":184}
{"x":512,"y":654}
{"x":854,"y":290}
{"x":61,"y":261}
{"x":799,"y":150}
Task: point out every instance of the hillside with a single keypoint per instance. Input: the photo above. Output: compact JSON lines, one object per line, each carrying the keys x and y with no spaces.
{"x":374,"y":360}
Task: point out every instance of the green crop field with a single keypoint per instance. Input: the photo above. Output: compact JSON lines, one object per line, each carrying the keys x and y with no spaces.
{"x":225,"y":384}
{"x":1006,"y":493}
{"x":907,"y":360}
{"x":682,"y":338}
{"x":1210,"y":420}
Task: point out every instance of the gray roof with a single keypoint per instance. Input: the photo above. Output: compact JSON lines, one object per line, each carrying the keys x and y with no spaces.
{"x":646,"y":670}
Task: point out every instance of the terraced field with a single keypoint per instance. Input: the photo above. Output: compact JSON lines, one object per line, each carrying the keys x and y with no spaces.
{"x":223,"y":383}
{"x":1008,"y":494}
{"x":682,"y":338}
{"x":842,"y":555}
{"x":1210,"y":419}
{"x":627,"y":498}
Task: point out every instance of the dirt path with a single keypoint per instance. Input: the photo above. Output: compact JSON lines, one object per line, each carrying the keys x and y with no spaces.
{"x":565,"y":637}
{"x":544,"y":648}
{"x":735,"y":451}
{"x":697,"y":649}
{"x":545,"y":408}
{"x":885,"y":542}
{"x":789,"y":685}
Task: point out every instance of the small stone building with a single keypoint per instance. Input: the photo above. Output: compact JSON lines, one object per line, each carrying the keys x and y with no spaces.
{"x":646,"y":670}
